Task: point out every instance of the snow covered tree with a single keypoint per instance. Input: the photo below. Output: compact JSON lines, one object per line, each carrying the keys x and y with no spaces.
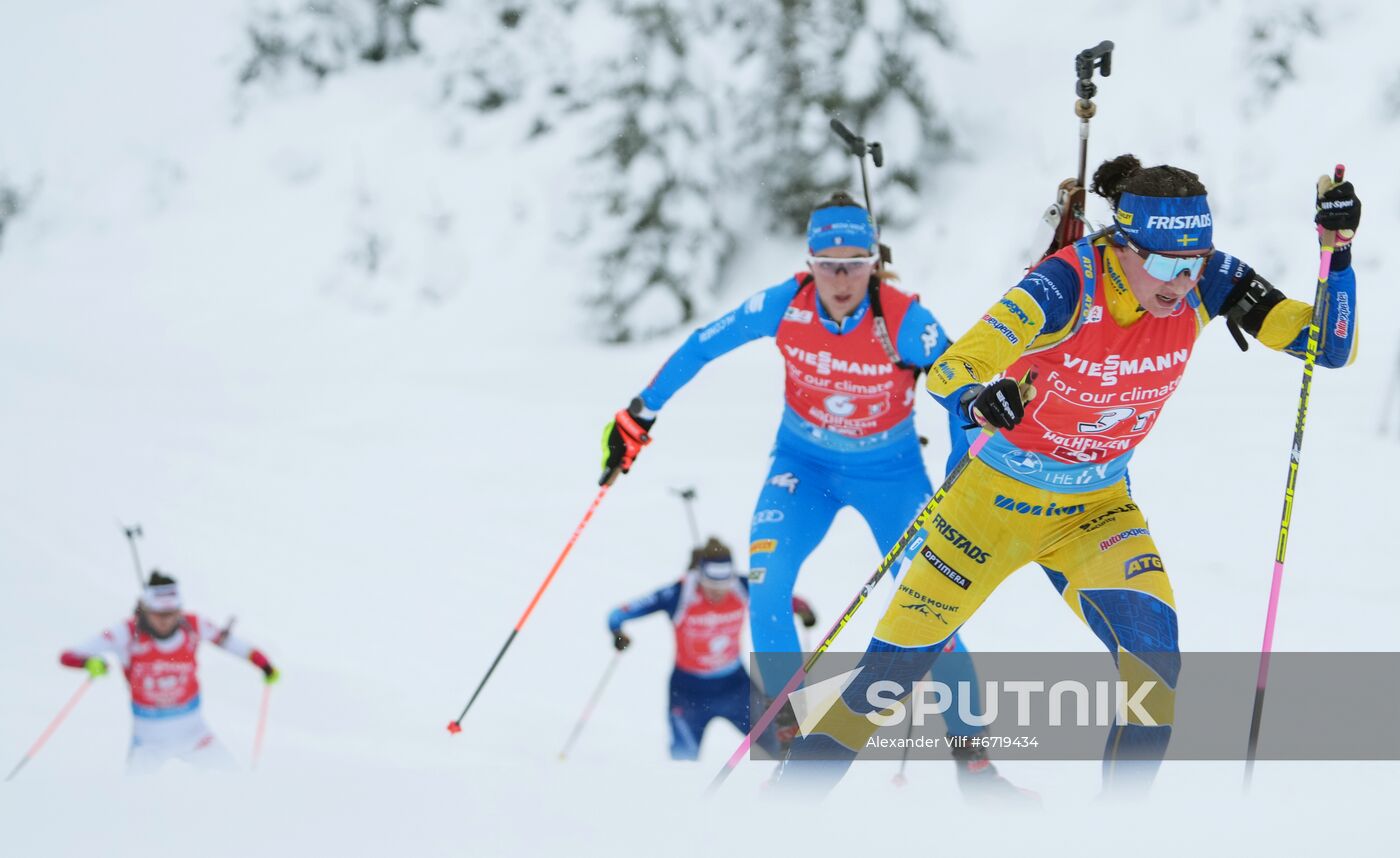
{"x":719,"y":99}
{"x":855,"y":60}
{"x":1274,"y":39}
{"x":324,"y":37}
{"x":13,"y":201}
{"x":689,"y":114}
{"x":657,"y":197}
{"x":517,"y":53}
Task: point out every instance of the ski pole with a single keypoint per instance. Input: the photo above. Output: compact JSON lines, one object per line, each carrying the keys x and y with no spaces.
{"x":588,"y":708}
{"x":133,"y":532}
{"x":899,"y":779}
{"x":1329,"y":238}
{"x":456,"y":726}
{"x":687,"y":495}
{"x":262,"y":726}
{"x":49,"y":730}
{"x":891,"y":558}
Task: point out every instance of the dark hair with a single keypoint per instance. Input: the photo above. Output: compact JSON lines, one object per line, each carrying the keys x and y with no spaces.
{"x":837,"y":200}
{"x":159,"y":578}
{"x":712,"y":551}
{"x":1126,"y":174}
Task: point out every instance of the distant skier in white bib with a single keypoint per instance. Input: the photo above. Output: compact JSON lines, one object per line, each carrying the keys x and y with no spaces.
{"x":157,"y":650}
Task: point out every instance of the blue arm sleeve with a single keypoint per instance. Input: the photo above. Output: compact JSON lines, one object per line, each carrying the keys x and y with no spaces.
{"x":921,"y":338}
{"x":1055,"y":287}
{"x":666,"y":599}
{"x":1338,"y":326}
{"x":759,"y":316}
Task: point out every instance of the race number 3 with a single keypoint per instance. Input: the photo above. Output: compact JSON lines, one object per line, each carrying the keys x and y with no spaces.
{"x":1113,"y":416}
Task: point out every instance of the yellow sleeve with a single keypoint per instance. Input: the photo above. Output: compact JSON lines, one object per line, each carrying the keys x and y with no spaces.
{"x":1285,"y":321}
{"x":991,"y":345}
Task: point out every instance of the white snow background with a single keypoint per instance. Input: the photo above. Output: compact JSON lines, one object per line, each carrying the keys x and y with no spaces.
{"x":375,"y":476}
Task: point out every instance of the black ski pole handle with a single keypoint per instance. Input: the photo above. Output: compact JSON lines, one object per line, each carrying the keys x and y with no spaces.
{"x":854,"y":143}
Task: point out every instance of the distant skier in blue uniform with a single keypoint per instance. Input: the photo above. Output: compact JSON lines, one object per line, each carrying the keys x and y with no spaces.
{"x":707,"y":606}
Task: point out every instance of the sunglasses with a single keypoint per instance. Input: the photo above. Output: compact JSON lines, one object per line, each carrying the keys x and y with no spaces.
{"x":838,"y":264}
{"x":1168,"y":268}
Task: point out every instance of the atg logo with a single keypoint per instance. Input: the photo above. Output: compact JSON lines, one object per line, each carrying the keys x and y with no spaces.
{"x":1142,"y":564}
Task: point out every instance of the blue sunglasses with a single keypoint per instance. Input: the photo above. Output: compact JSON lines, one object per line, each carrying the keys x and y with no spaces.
{"x":1167,"y":268}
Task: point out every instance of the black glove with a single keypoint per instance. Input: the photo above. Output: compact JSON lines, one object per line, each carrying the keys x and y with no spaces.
{"x":623,"y":438}
{"x":1337,"y":205}
{"x":998,"y":404}
{"x":621,"y":641}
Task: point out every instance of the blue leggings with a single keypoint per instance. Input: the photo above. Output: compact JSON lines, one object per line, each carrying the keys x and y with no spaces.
{"x":697,"y":700}
{"x":800,"y":498}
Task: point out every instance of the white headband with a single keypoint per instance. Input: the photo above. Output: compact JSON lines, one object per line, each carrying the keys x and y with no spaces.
{"x":161,"y":597}
{"x":716,"y":570}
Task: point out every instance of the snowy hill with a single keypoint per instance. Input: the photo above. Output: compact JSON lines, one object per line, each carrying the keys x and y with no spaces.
{"x":373,"y":463}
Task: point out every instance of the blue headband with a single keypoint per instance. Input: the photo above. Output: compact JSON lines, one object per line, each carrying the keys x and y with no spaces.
{"x":840,"y":226}
{"x":1165,"y":223}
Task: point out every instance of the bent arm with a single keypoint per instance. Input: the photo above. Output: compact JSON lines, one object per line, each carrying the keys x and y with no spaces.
{"x":112,"y":640}
{"x":666,"y":599}
{"x":1234,"y":290}
{"x":219,"y":636}
{"x":1042,"y":303}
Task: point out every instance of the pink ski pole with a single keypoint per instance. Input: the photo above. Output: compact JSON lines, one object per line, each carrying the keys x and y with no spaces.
{"x":49,"y":730}
{"x":588,"y":707}
{"x":262,"y":725}
{"x":1329,"y":239}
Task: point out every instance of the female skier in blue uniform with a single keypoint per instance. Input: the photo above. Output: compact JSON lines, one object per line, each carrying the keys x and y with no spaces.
{"x":853,"y":347}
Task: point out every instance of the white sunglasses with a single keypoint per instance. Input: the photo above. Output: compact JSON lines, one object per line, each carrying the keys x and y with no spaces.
{"x":833,"y":264}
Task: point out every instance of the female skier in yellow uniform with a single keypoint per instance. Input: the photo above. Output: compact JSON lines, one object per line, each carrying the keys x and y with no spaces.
{"x":1105,"y":327}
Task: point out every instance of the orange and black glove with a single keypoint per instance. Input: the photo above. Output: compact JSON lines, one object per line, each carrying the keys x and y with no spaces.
{"x":623,"y":438}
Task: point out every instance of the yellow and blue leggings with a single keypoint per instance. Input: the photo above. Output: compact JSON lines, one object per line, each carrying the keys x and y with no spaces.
{"x":1097,"y":551}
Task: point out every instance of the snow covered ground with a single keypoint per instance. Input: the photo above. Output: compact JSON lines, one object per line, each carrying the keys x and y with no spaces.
{"x":373,"y":475}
